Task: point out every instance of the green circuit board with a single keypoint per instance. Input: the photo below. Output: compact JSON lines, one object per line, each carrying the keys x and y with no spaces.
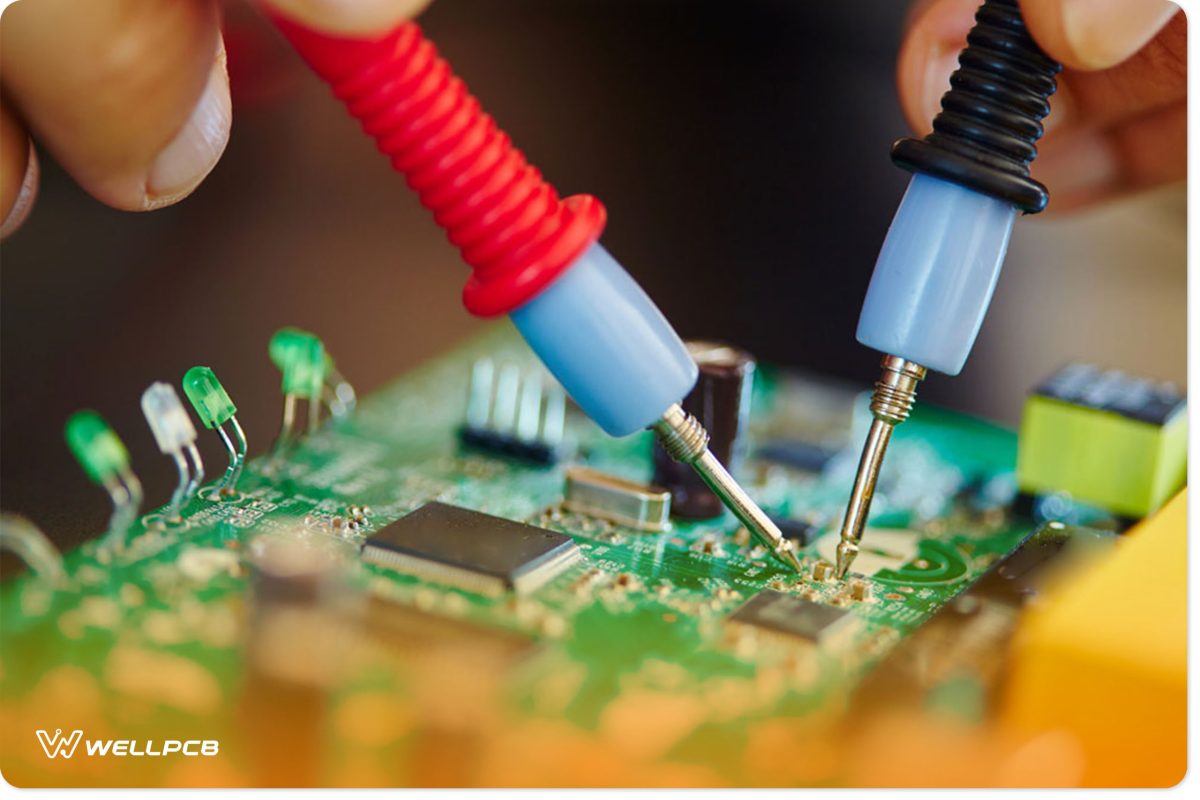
{"x":624,"y":668}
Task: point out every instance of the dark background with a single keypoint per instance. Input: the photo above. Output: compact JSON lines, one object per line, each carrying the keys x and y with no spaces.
{"x":741,"y":150}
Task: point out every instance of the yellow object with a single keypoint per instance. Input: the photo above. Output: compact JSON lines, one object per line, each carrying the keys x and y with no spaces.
{"x":1103,"y":657}
{"x":1128,"y":466}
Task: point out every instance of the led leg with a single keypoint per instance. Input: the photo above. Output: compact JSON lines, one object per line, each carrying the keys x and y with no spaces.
{"x":181,"y":490}
{"x":20,"y":536}
{"x":126,"y":492}
{"x":197,"y":472}
{"x":236,"y":448}
{"x":343,"y":392}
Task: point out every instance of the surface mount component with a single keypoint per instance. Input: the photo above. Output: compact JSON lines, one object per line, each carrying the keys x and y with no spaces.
{"x":1105,"y":438}
{"x":720,"y":400}
{"x":598,"y":494}
{"x":470,"y":550}
{"x":791,"y":616}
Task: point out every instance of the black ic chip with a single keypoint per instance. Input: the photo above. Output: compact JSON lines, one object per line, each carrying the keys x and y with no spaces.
{"x":790,"y":615}
{"x":470,"y":550}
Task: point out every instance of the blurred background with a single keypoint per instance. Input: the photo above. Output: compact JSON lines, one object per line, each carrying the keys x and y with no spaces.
{"x":741,"y":150}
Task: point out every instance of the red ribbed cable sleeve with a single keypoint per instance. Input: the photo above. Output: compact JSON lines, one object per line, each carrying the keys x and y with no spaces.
{"x":509,"y":224}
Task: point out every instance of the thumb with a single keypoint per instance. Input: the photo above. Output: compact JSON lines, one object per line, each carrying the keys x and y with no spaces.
{"x":1095,"y":34}
{"x":338,"y":16}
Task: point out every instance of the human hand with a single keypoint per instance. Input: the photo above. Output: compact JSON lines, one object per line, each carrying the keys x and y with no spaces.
{"x":131,"y":97}
{"x":1119,"y":119}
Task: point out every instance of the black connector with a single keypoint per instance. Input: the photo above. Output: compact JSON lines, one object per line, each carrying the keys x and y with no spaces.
{"x":985,"y":136}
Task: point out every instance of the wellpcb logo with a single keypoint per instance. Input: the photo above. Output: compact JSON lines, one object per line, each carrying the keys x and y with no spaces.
{"x":58,"y":744}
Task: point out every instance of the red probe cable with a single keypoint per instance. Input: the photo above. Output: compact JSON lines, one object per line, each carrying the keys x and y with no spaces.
{"x":510,"y":225}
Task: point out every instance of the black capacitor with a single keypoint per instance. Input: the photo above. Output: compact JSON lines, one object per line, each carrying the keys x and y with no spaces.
{"x":720,"y":400}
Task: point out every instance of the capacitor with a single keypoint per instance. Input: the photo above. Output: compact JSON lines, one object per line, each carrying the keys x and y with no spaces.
{"x":720,"y":400}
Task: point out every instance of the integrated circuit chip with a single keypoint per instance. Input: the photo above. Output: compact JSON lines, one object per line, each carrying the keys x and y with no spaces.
{"x":791,"y":616}
{"x":470,"y":550}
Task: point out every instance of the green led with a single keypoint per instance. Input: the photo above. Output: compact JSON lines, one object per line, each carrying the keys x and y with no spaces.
{"x":305,"y":376}
{"x":208,"y":397}
{"x":96,"y":446}
{"x":287,"y":344}
{"x":301,"y":357}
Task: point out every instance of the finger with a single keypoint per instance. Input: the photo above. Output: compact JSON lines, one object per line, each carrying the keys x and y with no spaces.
{"x":130,"y":96}
{"x":338,"y":16}
{"x":1095,"y":165}
{"x":18,"y":171}
{"x":1095,"y":34}
{"x":1152,"y":79}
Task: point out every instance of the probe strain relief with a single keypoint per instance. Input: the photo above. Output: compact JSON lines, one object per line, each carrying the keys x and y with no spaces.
{"x":510,"y":225}
{"x":985,"y":136}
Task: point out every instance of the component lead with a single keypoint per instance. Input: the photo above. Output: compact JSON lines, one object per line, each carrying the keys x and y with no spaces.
{"x":891,"y":403}
{"x":685,"y":440}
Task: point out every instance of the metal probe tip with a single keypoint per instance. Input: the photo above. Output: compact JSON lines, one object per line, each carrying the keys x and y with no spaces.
{"x":891,"y":403}
{"x":685,"y":440}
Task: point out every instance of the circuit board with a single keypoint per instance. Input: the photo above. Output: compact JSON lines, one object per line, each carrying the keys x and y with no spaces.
{"x":651,"y":658}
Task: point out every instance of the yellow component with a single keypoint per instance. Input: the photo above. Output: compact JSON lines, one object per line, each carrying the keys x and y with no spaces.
{"x":1125,"y":465}
{"x":1103,"y":657}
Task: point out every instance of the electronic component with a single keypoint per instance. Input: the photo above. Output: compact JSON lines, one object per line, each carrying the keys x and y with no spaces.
{"x":511,"y":413}
{"x":720,"y":400}
{"x":942,"y":256}
{"x":302,"y":360}
{"x":289,"y":344}
{"x":175,"y":435}
{"x":470,"y":550}
{"x":1105,"y":438}
{"x":599,"y":494}
{"x":106,"y":461}
{"x":215,"y":409}
{"x":792,"y":616}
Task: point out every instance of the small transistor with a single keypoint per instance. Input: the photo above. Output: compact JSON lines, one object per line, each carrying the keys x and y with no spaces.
{"x":471,"y":550}
{"x":513,"y":414}
{"x":792,"y":616}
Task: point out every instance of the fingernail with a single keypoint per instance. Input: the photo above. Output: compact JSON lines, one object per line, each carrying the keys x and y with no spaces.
{"x":938,"y":69}
{"x":25,"y":196}
{"x":1103,"y":33}
{"x":195,"y":150}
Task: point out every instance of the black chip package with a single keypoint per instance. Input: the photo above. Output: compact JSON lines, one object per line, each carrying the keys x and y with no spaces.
{"x":790,"y":615}
{"x":471,"y":550}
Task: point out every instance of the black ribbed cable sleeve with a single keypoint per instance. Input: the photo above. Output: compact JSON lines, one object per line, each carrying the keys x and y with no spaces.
{"x":986,"y":134}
